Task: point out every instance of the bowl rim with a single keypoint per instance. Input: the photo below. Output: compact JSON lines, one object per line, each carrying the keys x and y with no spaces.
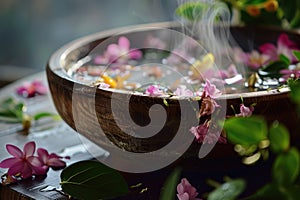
{"x":56,"y":61}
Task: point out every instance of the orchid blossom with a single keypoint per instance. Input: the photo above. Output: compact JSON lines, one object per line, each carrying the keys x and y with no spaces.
{"x":186,"y":191}
{"x":24,"y":164}
{"x":284,"y":46}
{"x":211,"y":90}
{"x":256,"y":60}
{"x":50,"y":160}
{"x":245,"y":111}
{"x":118,"y":53}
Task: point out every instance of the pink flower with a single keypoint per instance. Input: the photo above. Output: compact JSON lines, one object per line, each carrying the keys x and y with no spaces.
{"x":230,"y":72}
{"x":245,"y":111}
{"x":50,"y":160}
{"x":22,"y":164}
{"x":154,"y":91}
{"x":284,"y":46}
{"x":186,"y":191}
{"x":211,"y":90}
{"x":255,"y":60}
{"x":208,"y":106}
{"x":32,"y":89}
{"x":120,"y":53}
{"x":25,"y":164}
{"x":202,"y":136}
{"x":183,"y":92}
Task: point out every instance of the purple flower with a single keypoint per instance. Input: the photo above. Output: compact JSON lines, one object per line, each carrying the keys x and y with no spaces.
{"x":154,"y":91}
{"x":183,"y":92}
{"x":119,"y":53}
{"x":211,"y":90}
{"x":50,"y":160}
{"x":284,"y":46}
{"x":22,"y":164}
{"x":32,"y":89}
{"x":186,"y":191}
{"x":245,"y":111}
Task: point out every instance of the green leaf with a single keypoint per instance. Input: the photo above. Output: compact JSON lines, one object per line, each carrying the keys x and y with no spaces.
{"x":284,"y":59}
{"x":41,"y":115}
{"x":169,"y":189}
{"x":279,"y":138}
{"x":228,"y":191}
{"x":273,"y":191}
{"x":245,"y":130}
{"x":191,"y":10}
{"x":273,"y":69}
{"x":297,"y":54}
{"x":289,"y":9}
{"x":92,"y":180}
{"x":285,"y":169}
{"x":295,"y":90}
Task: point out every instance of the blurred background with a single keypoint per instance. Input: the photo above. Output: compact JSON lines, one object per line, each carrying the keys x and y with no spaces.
{"x":31,"y":30}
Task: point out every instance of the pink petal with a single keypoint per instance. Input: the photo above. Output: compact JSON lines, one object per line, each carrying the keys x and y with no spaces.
{"x":269,"y":49}
{"x":27,"y":171}
{"x":40,"y":170}
{"x":180,"y":188}
{"x":43,"y":155}
{"x":135,"y":54}
{"x":184,"y":196}
{"x":29,"y":149}
{"x":14,"y":151}
{"x":113,"y":51}
{"x":7,"y":163}
{"x":35,"y":161}
{"x":16,"y":168}
{"x":56,"y":163}
{"x":284,"y":40}
{"x":124,"y":43}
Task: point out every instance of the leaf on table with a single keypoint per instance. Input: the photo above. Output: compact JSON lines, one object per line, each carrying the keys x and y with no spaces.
{"x":41,"y":115}
{"x":88,"y":180}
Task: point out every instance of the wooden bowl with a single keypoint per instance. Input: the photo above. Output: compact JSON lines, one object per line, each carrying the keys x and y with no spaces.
{"x":88,"y":110}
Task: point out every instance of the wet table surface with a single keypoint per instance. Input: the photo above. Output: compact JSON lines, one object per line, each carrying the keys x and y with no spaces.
{"x":55,"y":136}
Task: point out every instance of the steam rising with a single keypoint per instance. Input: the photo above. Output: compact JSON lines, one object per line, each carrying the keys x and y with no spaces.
{"x":211,"y":29}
